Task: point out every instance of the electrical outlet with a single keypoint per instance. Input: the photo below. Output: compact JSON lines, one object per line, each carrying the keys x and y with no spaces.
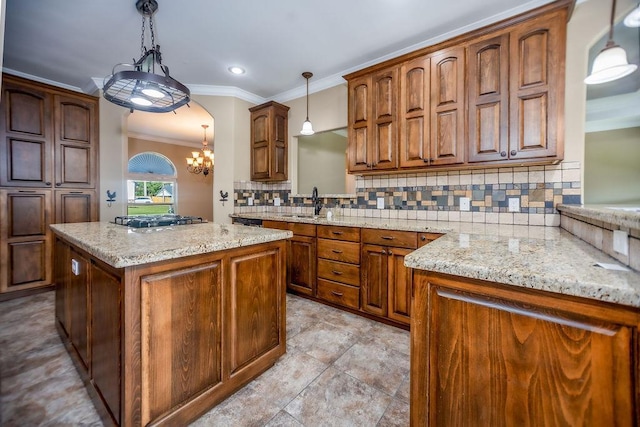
{"x":249,"y":201}
{"x":465,"y":204}
{"x":75,"y":267}
{"x":380,"y":204}
{"x":276,"y":201}
{"x":514,"y":204}
{"x":621,"y":242}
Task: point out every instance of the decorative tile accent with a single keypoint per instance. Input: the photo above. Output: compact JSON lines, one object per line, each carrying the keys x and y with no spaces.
{"x":538,"y":188}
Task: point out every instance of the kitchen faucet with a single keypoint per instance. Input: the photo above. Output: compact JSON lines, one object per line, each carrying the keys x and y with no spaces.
{"x":316,"y":201}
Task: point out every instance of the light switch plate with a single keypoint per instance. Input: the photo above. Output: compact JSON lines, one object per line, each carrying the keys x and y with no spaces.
{"x":276,"y":201}
{"x":621,"y":242}
{"x":465,"y":204}
{"x":380,"y":204}
{"x":75,"y":267}
{"x":514,"y":204}
{"x":249,"y":201}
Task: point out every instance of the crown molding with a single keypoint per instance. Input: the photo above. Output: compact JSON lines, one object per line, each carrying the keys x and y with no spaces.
{"x":162,"y":139}
{"x":41,"y":80}
{"x":210,"y":90}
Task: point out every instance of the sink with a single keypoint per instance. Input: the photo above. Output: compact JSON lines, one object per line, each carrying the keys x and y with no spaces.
{"x":299,"y":216}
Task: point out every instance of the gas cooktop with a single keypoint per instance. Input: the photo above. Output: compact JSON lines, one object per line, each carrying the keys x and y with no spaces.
{"x":146,"y":221}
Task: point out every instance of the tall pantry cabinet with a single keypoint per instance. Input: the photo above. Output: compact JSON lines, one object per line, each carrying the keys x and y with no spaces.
{"x":48,"y":174}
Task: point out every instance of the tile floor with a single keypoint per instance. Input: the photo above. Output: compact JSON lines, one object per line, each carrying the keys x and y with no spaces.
{"x":339,"y":370}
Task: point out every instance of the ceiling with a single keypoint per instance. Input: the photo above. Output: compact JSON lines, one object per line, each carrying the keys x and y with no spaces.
{"x":76,"y":43}
{"x":69,"y":42}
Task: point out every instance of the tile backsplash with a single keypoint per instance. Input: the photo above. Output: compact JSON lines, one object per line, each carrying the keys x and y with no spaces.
{"x":436,"y":195}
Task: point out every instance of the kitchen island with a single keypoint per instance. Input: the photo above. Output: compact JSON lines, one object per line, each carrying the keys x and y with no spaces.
{"x":165,"y":322}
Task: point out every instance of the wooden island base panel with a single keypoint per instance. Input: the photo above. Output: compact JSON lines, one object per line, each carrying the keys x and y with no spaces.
{"x":162,"y":343}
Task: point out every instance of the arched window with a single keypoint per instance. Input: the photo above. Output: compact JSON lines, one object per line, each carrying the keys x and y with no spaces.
{"x":151,"y":184}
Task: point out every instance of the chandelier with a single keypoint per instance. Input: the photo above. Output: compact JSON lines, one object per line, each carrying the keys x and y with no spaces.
{"x":201,"y":161}
{"x":140,"y":88}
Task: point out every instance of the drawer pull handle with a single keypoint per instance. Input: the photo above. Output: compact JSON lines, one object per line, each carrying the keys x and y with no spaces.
{"x":336,"y":251}
{"x":337,"y":273}
{"x":387,"y":237}
{"x":338,"y":294}
{"x":26,"y":191}
{"x":337,"y":233}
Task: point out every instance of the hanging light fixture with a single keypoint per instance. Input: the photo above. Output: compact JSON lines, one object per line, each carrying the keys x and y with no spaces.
{"x":201,"y":161}
{"x":141,"y":88}
{"x":611,"y":63}
{"x":633,"y":18}
{"x":307,"y":129}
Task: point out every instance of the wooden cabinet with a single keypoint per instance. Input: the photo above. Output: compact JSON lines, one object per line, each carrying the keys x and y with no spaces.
{"x":415,"y":112}
{"x":76,"y":131}
{"x":494,"y":96}
{"x":48,"y":140}
{"x":488,"y":99}
{"x":269,"y":142}
{"x":536,"y":80}
{"x":447,"y":102}
{"x":373,"y":121}
{"x":301,"y":263}
{"x":386,"y":282}
{"x":180,"y":337}
{"x":26,"y":243}
{"x":519,"y":356}
{"x":339,"y":265}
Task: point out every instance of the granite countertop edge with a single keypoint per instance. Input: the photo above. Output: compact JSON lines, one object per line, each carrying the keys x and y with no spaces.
{"x":606,"y":213}
{"x":120,"y":246}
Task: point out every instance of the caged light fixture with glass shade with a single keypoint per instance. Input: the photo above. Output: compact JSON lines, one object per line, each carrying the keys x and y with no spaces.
{"x":203,"y":160}
{"x":141,"y":88}
{"x":307,"y":129}
{"x":611,"y":62}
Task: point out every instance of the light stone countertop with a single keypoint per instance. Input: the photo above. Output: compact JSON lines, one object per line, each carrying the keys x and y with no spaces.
{"x":121,"y":246}
{"x":626,"y":216}
{"x":544,"y":258}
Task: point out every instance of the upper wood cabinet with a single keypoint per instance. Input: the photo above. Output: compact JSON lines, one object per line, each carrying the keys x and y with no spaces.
{"x":488,"y":99}
{"x":536,"y":80}
{"x":269,"y":142}
{"x":414,"y":115}
{"x":447,"y":101}
{"x":373,"y":125}
{"x":493,"y":96}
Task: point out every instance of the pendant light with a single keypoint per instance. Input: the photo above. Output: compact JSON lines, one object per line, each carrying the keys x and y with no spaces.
{"x":307,"y":129}
{"x":141,"y":88}
{"x":611,"y":63}
{"x":633,"y":18}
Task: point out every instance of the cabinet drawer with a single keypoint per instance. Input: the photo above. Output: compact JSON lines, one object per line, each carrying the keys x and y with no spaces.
{"x":339,"y":251}
{"x":279,"y":225}
{"x":337,"y":293}
{"x":397,"y":239}
{"x":424,"y":238}
{"x":339,"y":272}
{"x":351,"y":234}
{"x":303,"y":229}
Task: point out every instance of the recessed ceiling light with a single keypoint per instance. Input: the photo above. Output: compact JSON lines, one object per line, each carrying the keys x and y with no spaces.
{"x":236,"y":70}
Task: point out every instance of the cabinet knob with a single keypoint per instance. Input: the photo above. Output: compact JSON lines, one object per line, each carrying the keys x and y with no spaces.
{"x":425,"y":160}
{"x":390,"y":252}
{"x":514,"y":152}
{"x":384,"y":252}
{"x":47,"y":183}
{"x":58,"y":184}
{"x":423,"y":238}
{"x":503,"y":153}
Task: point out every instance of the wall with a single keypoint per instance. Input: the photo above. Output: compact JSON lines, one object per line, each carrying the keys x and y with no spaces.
{"x":113,"y":159}
{"x":194,"y":192}
{"x":612,"y":159}
{"x":322,"y":163}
